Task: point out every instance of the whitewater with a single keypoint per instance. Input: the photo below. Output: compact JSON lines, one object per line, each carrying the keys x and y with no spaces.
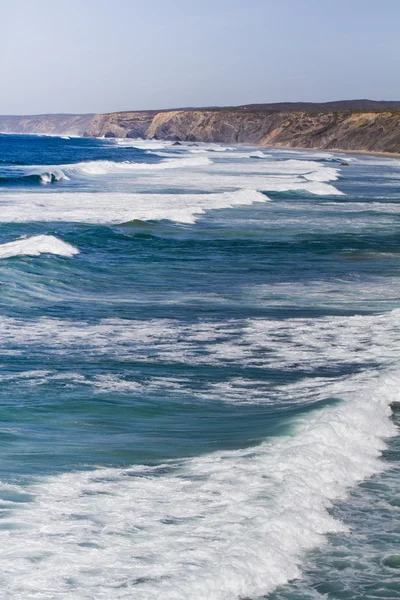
{"x":200,"y":352}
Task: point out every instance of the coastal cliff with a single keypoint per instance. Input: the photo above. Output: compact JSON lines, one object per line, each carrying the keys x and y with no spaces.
{"x":349,"y":125}
{"x":348,"y":129}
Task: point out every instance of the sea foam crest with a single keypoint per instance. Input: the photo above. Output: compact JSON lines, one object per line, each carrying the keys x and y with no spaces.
{"x":153,"y":144}
{"x":103,"y":167}
{"x":42,"y":175}
{"x":324,"y":174}
{"x":141,"y":144}
{"x":51,"y":176}
{"x":36,"y":245}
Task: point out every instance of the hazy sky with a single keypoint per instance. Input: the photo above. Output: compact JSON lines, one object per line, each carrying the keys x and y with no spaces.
{"x":108,"y":55}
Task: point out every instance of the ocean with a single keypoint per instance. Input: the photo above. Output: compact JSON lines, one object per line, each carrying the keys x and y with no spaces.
{"x":200,"y":369}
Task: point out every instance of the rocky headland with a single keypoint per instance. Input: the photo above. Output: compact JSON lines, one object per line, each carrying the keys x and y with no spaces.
{"x":355,"y":125}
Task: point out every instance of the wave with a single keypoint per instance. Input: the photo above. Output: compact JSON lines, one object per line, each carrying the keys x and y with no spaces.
{"x":52,"y":174}
{"x":196,"y":172}
{"x":236,"y":154}
{"x":168,"y":154}
{"x":102,"y":167}
{"x":164,"y":154}
{"x":141,"y":144}
{"x":152,"y":144}
{"x":36,"y":245}
{"x":259,"y":154}
{"x":119,"y":207}
{"x":223,"y":177}
{"x":322,"y":175}
{"x":200,"y":173}
{"x":222,"y":526}
{"x":327,"y":343}
{"x":248,"y":155}
{"x":303,"y":168}
{"x":218,"y":148}
{"x":32,"y":177}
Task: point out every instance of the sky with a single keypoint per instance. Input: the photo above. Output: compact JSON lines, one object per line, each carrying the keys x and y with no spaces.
{"x":70,"y":56}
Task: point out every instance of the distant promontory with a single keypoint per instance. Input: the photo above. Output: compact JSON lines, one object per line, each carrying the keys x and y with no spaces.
{"x":358,"y":125}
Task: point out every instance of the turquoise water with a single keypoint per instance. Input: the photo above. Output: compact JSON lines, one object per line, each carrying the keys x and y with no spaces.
{"x":200,"y":369}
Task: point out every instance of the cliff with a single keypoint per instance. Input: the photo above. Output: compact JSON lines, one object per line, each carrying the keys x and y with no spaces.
{"x":377,"y":131}
{"x":347,"y":125}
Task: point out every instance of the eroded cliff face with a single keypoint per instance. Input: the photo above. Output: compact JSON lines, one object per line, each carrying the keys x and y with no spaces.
{"x":348,"y":130}
{"x":125,"y":124}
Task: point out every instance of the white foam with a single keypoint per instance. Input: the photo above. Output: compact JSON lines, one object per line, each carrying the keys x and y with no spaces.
{"x":36,"y":245}
{"x":256,"y":154}
{"x":201,"y":173}
{"x":220,"y":175}
{"x":174,"y":163}
{"x":223,"y":526}
{"x":285,"y":168}
{"x":142,"y":144}
{"x":326,"y":174}
{"x":219,"y":148}
{"x":217,"y":527}
{"x":218,"y":180}
{"x":45,"y":174}
{"x":339,"y":342}
{"x":53,"y":177}
{"x":164,"y":154}
{"x":52,"y":173}
{"x":103,"y":167}
{"x":200,"y":147}
{"x":50,"y":176}
{"x":117,"y":207}
{"x":259,"y":154}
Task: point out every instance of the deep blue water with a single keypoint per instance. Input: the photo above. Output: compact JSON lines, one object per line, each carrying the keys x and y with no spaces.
{"x":199,"y":353}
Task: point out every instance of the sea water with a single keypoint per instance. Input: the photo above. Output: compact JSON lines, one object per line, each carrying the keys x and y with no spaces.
{"x":200,"y":370}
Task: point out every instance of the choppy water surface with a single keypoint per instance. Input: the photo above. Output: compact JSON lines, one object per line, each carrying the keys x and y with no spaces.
{"x":200,"y":367}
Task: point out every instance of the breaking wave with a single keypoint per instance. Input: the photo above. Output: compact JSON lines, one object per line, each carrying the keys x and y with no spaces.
{"x":50,"y":174}
{"x":36,"y":245}
{"x":103,"y":167}
{"x":33,"y":177}
{"x":222,"y":526}
{"x":119,"y":207}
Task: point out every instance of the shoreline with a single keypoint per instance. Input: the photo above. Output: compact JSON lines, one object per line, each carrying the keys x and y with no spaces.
{"x":376,"y":153}
{"x":368,"y":153}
